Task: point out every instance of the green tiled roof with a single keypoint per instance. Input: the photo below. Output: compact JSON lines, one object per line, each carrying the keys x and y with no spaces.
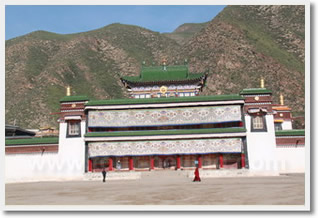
{"x":74,"y":98}
{"x":292,"y":132}
{"x":172,"y":73}
{"x":165,"y":132}
{"x":164,"y":100}
{"x":33,"y":141}
{"x":255,"y":91}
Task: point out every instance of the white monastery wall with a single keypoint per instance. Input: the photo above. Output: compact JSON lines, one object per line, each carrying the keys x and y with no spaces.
{"x":261,"y":148}
{"x":292,"y":159}
{"x":72,"y":152}
{"x":287,"y":125}
{"x":67,"y":164}
{"x":30,"y":167}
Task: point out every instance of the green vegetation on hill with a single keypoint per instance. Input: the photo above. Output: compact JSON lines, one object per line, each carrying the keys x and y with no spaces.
{"x":37,"y":59}
{"x":259,"y":35}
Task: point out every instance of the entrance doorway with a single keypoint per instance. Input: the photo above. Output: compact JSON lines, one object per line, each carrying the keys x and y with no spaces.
{"x":168,"y":162}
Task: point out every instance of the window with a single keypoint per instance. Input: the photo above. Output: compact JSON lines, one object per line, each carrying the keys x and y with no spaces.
{"x":73,"y":129}
{"x":258,"y":124}
{"x":278,"y":126}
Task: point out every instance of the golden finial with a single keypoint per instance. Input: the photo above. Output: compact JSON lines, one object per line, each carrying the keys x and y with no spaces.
{"x":68,"y":91}
{"x":262,"y":83}
{"x":281,"y":99}
{"x":164,"y":61}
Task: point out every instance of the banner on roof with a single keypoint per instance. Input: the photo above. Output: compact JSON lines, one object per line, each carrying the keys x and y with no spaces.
{"x":164,"y":116}
{"x":198,"y":146}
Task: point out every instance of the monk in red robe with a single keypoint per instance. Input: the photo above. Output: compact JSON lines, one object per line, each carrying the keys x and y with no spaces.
{"x":196,"y":175}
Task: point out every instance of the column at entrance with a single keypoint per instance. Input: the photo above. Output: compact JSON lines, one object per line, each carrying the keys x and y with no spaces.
{"x":178,"y":162}
{"x":243,"y":160}
{"x":90,"y":165}
{"x":110,"y":164}
{"x":131,"y":163}
{"x":152,"y":163}
{"x":221,"y":160}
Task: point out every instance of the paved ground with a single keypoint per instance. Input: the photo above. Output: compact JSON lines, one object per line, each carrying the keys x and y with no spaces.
{"x":163,"y":188}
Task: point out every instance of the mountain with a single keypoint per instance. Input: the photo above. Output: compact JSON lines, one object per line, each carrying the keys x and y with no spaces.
{"x":237,"y":47}
{"x":185,"y":32}
{"x":244,"y":43}
{"x":40,"y":65}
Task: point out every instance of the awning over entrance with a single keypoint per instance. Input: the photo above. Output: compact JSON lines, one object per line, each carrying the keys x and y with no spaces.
{"x":197,"y":146}
{"x":72,"y":118}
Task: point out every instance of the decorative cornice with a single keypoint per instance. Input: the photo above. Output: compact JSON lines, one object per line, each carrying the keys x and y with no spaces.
{"x":291,"y":145}
{"x":190,"y":136}
{"x":260,"y":103}
{"x":73,"y":102}
{"x":255,"y":95}
{"x":73,"y":110}
{"x":154,"y":105}
{"x":300,"y":136}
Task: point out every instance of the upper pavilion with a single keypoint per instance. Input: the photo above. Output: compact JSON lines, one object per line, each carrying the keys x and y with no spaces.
{"x":164,"y":81}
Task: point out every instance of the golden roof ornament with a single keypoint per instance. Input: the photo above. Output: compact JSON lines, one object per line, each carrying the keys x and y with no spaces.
{"x":262,"y":83}
{"x":281,"y":99}
{"x":164,"y":63}
{"x":163,"y":89}
{"x":68,"y":91}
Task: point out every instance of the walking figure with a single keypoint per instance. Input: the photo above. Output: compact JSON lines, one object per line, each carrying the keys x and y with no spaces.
{"x":196,"y":175}
{"x":104,"y":174}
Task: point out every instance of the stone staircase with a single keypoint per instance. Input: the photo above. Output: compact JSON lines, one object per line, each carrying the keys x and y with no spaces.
{"x":134,"y":175}
{"x":131,"y":175}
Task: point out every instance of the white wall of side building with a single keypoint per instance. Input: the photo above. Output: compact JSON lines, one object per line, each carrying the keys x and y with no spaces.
{"x":67,"y":164}
{"x":261,"y":148}
{"x":72,"y":152}
{"x":287,"y":125}
{"x":292,"y":159}
{"x":30,"y":167}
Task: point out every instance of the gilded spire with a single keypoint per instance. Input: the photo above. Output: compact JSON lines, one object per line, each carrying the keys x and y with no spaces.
{"x":281,"y":99}
{"x":262,"y":83}
{"x":68,"y":91}
{"x":164,"y":63}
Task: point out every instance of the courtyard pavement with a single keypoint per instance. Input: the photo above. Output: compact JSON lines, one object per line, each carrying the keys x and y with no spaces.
{"x":162,"y":188}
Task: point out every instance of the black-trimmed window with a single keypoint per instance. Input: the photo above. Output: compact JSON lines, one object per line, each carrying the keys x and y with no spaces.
{"x":258,"y":123}
{"x":278,"y":126}
{"x":73,"y":128}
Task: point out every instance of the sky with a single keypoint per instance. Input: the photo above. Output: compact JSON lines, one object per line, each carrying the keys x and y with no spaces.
{"x":65,"y":19}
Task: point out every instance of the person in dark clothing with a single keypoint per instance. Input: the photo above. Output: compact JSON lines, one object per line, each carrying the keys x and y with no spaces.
{"x":104,"y":175}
